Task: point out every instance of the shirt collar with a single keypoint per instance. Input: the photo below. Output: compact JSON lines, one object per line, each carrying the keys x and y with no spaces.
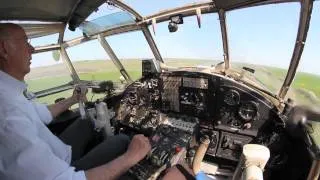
{"x":11,"y":84}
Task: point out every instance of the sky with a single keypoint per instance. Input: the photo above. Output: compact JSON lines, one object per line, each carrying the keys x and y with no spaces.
{"x":261,"y":35}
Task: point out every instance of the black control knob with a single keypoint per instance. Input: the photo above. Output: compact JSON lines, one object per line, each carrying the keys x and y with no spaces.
{"x":214,"y":140}
{"x":225,"y":142}
{"x":166,"y":130}
{"x":235,"y":123}
{"x":218,"y":123}
{"x":235,"y":145}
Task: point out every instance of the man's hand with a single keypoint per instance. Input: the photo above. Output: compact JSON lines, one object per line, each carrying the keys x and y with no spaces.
{"x":138,"y":148}
{"x":79,"y":93}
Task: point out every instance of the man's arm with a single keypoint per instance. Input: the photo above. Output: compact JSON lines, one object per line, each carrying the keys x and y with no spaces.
{"x":78,"y":93}
{"x":26,"y":156}
{"x":137,"y":150}
{"x":61,"y":106}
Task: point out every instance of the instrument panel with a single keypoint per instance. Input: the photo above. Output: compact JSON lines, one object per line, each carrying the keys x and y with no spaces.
{"x":179,"y":108}
{"x":198,"y":104}
{"x":219,"y":102}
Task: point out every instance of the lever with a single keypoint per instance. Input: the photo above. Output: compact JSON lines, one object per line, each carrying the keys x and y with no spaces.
{"x":201,"y":151}
{"x":252,"y":162}
{"x":81,"y":104}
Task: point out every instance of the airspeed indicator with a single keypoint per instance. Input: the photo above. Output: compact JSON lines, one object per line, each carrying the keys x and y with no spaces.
{"x":232,"y":97}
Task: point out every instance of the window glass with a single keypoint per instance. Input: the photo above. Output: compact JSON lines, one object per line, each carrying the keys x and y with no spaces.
{"x":147,"y":7}
{"x":106,"y":22}
{"x":263,"y":39}
{"x":306,"y":86}
{"x":50,"y":99}
{"x":69,"y":35}
{"x":191,"y":45}
{"x":45,"y":40}
{"x":92,"y":62}
{"x":46,"y":72}
{"x":131,"y":48}
{"x":103,"y":10}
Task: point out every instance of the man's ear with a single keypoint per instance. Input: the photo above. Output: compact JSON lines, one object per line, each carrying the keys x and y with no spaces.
{"x":3,"y":50}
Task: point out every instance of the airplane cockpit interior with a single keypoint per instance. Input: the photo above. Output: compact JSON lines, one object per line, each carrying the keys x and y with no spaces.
{"x":215,"y":119}
{"x":184,"y":111}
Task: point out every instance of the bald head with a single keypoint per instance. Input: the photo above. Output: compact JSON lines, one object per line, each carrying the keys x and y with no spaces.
{"x":15,"y":51}
{"x":7,"y":30}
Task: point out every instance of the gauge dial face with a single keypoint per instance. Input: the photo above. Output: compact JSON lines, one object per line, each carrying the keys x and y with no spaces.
{"x":232,"y":97}
{"x":248,"y":111}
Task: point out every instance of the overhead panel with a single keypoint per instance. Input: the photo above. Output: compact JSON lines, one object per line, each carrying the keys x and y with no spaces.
{"x":53,"y":11}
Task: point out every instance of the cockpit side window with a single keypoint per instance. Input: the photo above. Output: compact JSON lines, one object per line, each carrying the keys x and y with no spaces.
{"x":48,"y":71}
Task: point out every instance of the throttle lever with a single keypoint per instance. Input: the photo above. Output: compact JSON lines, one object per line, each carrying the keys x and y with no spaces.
{"x":201,"y":151}
{"x":81,"y":104}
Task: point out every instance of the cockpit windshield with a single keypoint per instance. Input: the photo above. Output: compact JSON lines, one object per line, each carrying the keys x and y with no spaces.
{"x":261,"y":41}
{"x":147,"y":7}
{"x":106,"y":22}
{"x":209,"y":84}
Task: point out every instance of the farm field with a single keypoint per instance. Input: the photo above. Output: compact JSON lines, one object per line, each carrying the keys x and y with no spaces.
{"x":306,"y":87}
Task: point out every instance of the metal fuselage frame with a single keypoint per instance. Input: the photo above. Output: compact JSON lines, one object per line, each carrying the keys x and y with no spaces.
{"x":142,"y":24}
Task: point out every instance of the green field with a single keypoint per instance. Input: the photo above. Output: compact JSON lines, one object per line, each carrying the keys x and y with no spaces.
{"x":306,"y":89}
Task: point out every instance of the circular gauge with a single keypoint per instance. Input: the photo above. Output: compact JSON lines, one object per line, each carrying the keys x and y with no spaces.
{"x":248,"y":110}
{"x":232,"y":97}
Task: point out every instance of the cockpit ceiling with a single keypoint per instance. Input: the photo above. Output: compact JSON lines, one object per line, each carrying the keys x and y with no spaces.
{"x":74,"y":11}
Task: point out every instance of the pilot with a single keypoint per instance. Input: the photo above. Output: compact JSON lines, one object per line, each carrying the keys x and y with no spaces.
{"x":28,"y":148}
